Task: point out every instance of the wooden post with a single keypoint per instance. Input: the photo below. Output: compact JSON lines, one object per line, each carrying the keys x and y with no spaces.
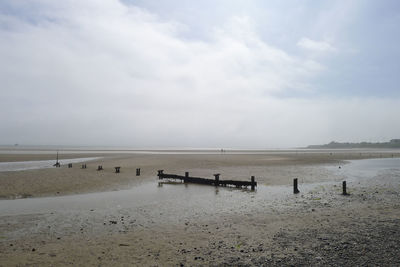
{"x":117,"y":169}
{"x":344,"y":188}
{"x":69,"y":165}
{"x":57,"y":164}
{"x":253,"y":184}
{"x":186,"y":177}
{"x":216,"y":179}
{"x":295,"y":189}
{"x":138,"y":172}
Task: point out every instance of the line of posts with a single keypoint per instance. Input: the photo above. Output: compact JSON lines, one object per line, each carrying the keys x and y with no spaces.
{"x":100,"y":168}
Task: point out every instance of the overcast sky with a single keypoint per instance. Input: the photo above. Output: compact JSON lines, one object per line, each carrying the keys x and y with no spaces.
{"x":232,"y":74}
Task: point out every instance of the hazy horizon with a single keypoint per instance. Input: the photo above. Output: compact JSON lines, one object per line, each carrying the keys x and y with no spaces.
{"x":125,"y":147}
{"x":221,"y":74}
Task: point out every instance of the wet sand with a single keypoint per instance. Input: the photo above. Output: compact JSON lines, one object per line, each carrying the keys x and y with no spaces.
{"x":168,"y":225}
{"x":267,"y":168}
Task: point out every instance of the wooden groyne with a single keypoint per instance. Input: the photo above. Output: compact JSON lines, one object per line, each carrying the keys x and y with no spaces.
{"x":216,"y":181}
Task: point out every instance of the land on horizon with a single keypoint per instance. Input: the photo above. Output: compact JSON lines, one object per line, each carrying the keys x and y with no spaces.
{"x":394,"y":143}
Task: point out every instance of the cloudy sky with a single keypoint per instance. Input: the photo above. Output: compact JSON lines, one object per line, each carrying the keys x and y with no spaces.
{"x":172,"y":73}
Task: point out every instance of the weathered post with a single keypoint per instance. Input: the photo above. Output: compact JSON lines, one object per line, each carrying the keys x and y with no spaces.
{"x":69,"y":165}
{"x":117,"y":169}
{"x":253,"y":184}
{"x":344,"y":188}
{"x":57,"y":164}
{"x":216,"y":179}
{"x":295,"y":189}
{"x":186,"y":177}
{"x":138,"y":172}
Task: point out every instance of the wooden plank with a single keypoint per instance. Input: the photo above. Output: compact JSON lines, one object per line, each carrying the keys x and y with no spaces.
{"x":199,"y":180}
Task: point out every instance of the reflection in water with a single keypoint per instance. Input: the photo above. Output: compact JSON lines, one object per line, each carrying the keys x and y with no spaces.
{"x":174,"y":182}
{"x":172,"y":198}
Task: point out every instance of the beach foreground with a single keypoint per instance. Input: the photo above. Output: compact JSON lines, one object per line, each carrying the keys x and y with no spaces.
{"x":142,"y":222}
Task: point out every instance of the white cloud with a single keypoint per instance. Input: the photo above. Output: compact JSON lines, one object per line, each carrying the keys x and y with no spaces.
{"x":316,"y":46}
{"x":91,"y":72}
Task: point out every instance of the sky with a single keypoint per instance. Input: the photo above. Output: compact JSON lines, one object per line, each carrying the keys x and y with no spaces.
{"x":199,"y":74}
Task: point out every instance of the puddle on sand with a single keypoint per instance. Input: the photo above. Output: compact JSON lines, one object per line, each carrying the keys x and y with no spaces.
{"x":38,"y":164}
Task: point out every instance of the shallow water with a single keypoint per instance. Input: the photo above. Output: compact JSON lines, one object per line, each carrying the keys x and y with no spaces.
{"x":367,"y":168}
{"x":38,"y":164}
{"x":140,"y":206}
{"x":174,"y":196}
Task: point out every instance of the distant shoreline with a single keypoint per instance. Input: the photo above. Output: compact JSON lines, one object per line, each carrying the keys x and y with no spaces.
{"x":129,"y":150}
{"x":394,"y":143}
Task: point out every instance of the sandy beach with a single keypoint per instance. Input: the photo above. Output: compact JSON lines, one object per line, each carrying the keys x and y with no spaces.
{"x":267,"y":167}
{"x":74,"y":216}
